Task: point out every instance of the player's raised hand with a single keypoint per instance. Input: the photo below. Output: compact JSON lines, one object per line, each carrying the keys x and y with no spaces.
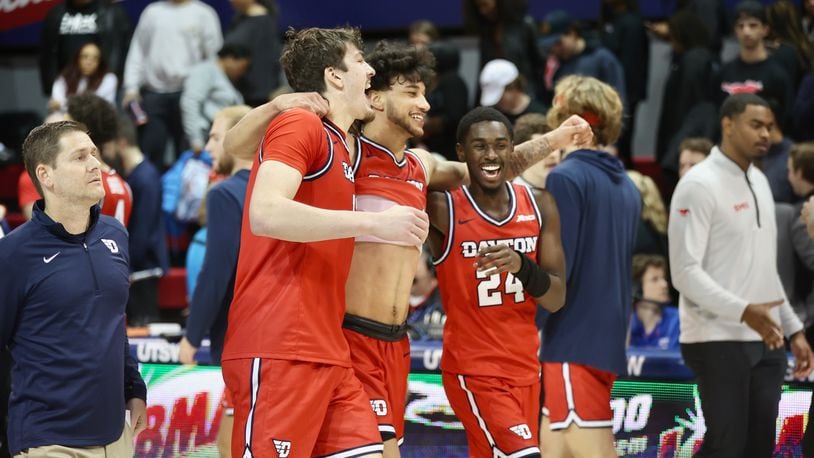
{"x":402,"y":225}
{"x":574,"y":131}
{"x":496,"y":259}
{"x":310,"y":101}
{"x":803,"y":357}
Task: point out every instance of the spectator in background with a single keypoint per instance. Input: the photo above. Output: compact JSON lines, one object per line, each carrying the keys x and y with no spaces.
{"x":254,"y":26}
{"x":427,"y":315}
{"x":775,"y":165}
{"x":723,"y":249}
{"x":504,"y":88}
{"x":210,"y":88}
{"x":448,"y":98}
{"x":528,"y":127}
{"x":584,"y":342}
{"x":654,"y":323}
{"x":209,"y":307}
{"x":795,"y":249}
{"x":807,"y":19}
{"x":752,"y":71}
{"x":625,"y":36}
{"x":651,"y":236}
{"x":788,"y":44}
{"x":693,"y":150}
{"x":27,"y":194}
{"x":170,"y":38}
{"x":688,"y":85}
{"x":571,"y":54}
{"x":71,"y":24}
{"x":422,"y":33}
{"x":87,"y":72}
{"x":148,"y":246}
{"x":505,"y":31}
{"x":802,"y":112}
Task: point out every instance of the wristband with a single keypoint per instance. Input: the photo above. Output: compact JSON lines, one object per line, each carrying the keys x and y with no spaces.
{"x":534,"y":279}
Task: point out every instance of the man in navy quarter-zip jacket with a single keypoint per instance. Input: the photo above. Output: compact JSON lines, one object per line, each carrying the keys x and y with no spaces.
{"x":62,"y":299}
{"x":733,"y":311}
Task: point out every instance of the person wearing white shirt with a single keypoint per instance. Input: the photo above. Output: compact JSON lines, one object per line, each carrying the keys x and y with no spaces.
{"x":733,"y":310}
{"x":87,"y":72}
{"x":170,"y":38}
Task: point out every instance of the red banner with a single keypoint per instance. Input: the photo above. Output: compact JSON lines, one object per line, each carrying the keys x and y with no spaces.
{"x":18,"y":13}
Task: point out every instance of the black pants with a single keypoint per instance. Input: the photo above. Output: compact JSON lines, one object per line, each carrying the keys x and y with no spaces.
{"x":739,"y":384}
{"x":164,"y":123}
{"x":142,"y":305}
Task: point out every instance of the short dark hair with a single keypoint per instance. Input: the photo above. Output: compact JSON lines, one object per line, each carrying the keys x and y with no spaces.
{"x":392,"y":61}
{"x":698,"y":144}
{"x":736,"y":104}
{"x":642,"y":261}
{"x":529,"y":124}
{"x":126,"y":130}
{"x":97,"y":114}
{"x":688,"y":30}
{"x":235,"y":51}
{"x":481,"y":114}
{"x":41,"y":146}
{"x":802,"y":159}
{"x":308,"y":52}
{"x":426,"y":27}
{"x":750,"y":9}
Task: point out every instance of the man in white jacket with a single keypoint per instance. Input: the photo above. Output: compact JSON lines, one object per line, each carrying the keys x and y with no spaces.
{"x":733,"y":311}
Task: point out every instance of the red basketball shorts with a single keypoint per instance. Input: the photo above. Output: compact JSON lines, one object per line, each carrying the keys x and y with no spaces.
{"x":499,"y":419}
{"x":298,"y":409}
{"x":382,"y":367}
{"x":578,"y":394}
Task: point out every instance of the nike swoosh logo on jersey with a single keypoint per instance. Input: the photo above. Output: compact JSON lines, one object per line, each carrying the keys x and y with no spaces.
{"x":464,"y":221}
{"x":47,"y":260}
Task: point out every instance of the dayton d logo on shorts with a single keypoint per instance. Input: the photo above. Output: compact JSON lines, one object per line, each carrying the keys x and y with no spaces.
{"x":283,"y":447}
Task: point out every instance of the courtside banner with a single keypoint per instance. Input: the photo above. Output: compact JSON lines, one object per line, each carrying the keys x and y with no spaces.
{"x":651,"y":419}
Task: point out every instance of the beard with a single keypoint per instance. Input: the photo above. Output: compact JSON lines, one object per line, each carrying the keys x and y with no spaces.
{"x":224,"y":165}
{"x":403,"y":120}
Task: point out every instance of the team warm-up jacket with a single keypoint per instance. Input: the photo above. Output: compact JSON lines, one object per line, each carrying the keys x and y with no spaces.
{"x":723,"y":251}
{"x":62,"y":316}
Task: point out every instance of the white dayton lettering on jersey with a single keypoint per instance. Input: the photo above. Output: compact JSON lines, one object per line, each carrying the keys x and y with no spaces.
{"x":379,"y":407}
{"x":283,"y":447}
{"x":111,"y":245}
{"x":521,"y":430}
{"x":469,"y":249}
{"x":348,"y":171}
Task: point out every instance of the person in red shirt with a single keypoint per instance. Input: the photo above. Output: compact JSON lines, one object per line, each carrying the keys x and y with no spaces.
{"x":498,"y":256}
{"x":286,"y":363}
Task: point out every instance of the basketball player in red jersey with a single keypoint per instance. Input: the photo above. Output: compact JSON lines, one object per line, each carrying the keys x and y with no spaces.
{"x":285,"y":361}
{"x":498,"y":255}
{"x":385,"y":175}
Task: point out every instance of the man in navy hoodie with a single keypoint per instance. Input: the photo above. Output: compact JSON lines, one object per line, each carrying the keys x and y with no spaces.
{"x":583,"y":347}
{"x":62,"y":297}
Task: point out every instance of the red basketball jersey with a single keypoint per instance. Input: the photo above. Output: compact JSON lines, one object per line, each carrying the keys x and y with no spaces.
{"x":289,"y":297}
{"x":118,"y":200}
{"x":379,"y":173}
{"x":490,"y":328}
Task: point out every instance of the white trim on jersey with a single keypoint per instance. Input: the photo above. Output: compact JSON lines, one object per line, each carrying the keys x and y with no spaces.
{"x":484,"y":215}
{"x":357,"y":451}
{"x":400,"y":164}
{"x":247,"y":448}
{"x":421,"y":163}
{"x":451,"y":234}
{"x":534,"y":206}
{"x":328,"y":163}
{"x":400,"y":441}
{"x":572,"y":416}
{"x":358,"y":158}
{"x":337,"y":133}
{"x":524,"y":452}
{"x":387,"y":429}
